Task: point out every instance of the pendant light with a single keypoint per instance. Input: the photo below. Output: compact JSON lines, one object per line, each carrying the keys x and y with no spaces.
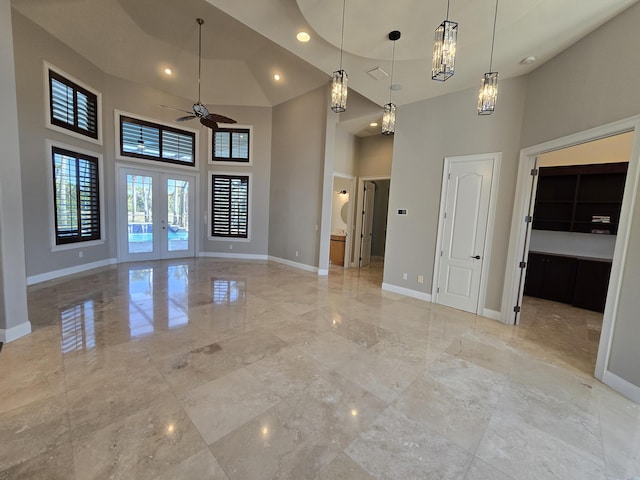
{"x":340,"y":78}
{"x":444,"y":50}
{"x":489,"y":87}
{"x":389,"y":110}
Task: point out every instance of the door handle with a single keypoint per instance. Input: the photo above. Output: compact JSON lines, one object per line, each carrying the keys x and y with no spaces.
{"x":477,"y":257}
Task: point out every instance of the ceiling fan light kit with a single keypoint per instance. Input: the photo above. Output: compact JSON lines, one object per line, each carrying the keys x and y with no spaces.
{"x":200,"y":111}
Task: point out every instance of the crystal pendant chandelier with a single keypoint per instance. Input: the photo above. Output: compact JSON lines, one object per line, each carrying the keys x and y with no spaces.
{"x":489,"y":88}
{"x":340,"y":78}
{"x":444,"y":50}
{"x":389,"y":110}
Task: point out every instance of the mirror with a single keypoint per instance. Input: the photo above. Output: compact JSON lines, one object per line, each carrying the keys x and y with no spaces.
{"x":344,"y":212}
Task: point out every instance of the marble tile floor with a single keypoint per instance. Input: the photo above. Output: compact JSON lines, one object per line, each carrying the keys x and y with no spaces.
{"x":215,"y":369}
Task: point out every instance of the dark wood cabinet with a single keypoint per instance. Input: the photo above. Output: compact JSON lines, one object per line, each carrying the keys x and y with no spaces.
{"x":592,"y":283}
{"x":574,"y":280}
{"x":551,"y":277}
{"x":573,"y":198}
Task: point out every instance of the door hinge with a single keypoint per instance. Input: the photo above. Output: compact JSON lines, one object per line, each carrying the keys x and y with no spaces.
{"x":449,"y":177}
{"x":523,"y":264}
{"x":441,"y":252}
{"x":361,"y":235}
{"x":438,"y":290}
{"x":516,"y":309}
{"x":528,"y":219}
{"x":534,"y":172}
{"x":445,"y":214}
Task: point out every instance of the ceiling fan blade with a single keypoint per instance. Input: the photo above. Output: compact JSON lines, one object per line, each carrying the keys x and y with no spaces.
{"x":207,"y":122}
{"x":185,"y":118}
{"x":219,"y":118}
{"x":176,"y":109}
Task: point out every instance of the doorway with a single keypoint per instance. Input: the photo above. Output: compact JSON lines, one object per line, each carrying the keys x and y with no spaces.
{"x":371,"y":221}
{"x":576,"y":203}
{"x":156,"y":212}
{"x":520,"y":231}
{"x":341,"y":240}
{"x":465,"y":231}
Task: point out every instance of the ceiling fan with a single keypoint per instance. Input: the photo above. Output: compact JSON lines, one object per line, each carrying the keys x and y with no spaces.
{"x":207,"y":119}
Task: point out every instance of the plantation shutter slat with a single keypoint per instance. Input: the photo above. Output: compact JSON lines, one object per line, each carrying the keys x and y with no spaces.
{"x":151,"y":141}
{"x":230,"y":206}
{"x":72,"y":107}
{"x":231,"y":145}
{"x":76,"y":196}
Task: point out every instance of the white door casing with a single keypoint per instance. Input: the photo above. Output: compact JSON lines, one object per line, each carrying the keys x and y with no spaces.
{"x":465,"y":220}
{"x":367,"y":223}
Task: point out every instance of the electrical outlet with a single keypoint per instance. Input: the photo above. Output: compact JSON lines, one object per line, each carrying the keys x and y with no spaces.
{"x":296,"y":253}
{"x":420,"y":279}
{"x":404,"y":276}
{"x":80,"y":254}
{"x":230,"y":247}
{"x":316,"y":228}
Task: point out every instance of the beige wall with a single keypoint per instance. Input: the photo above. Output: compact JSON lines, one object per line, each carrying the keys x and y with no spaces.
{"x":297,"y":167}
{"x":581,"y":89}
{"x":426,"y":133}
{"x":374,"y":156}
{"x":13,"y":299}
{"x":344,"y":160}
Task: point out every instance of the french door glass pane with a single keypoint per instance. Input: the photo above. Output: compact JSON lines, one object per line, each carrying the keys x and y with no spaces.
{"x":177,"y":214}
{"x":140,"y":213}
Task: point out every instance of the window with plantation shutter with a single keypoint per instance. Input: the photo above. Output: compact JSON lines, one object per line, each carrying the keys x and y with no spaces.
{"x":76,"y":196}
{"x":231,"y":145}
{"x":230,"y":206}
{"x":153,"y":141}
{"x":72,"y":107}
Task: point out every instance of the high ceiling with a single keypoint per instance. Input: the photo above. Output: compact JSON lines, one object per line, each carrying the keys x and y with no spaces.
{"x":246,"y":42}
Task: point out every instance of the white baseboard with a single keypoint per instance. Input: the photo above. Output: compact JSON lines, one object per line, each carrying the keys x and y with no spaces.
{"x":14,"y":333}
{"x":323,"y":272}
{"x":236,"y":256}
{"x":407,"y":292}
{"x":622,"y":386}
{"x":43,"y":277}
{"x":492,"y":314}
{"x":290,"y":263}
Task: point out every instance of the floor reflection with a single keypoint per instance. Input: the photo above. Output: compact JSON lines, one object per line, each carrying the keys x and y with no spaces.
{"x":226,"y":291}
{"x":177,"y":295}
{"x":141,"y":302}
{"x":78,"y":328}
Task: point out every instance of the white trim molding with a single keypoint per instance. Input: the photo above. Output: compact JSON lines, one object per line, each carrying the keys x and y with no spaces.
{"x":622,"y":386}
{"x":10,"y":334}
{"x":235,"y":256}
{"x":407,"y":292}
{"x":43,"y":277}
{"x":290,"y":263}
{"x":492,"y":314}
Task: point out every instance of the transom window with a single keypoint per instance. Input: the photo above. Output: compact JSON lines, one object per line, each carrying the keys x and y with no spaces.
{"x":153,"y":141}
{"x":231,"y":145}
{"x":72,"y":107}
{"x":76,"y":196}
{"x":229,"y":206}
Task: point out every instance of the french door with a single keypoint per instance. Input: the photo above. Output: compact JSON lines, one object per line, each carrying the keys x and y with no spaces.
{"x":156,"y":212}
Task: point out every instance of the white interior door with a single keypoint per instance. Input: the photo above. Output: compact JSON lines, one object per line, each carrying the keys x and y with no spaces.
{"x":466,"y":213}
{"x":156,"y":214}
{"x":367,"y":223}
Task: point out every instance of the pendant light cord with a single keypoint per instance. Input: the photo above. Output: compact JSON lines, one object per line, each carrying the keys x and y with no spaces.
{"x":393,"y":59}
{"x":448,"y":2}
{"x":344,"y":4}
{"x":493,"y":40}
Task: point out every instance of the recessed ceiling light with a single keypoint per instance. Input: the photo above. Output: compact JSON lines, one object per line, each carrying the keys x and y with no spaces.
{"x":168,"y":71}
{"x":373,"y":124}
{"x":303,"y":37}
{"x":528,"y":60}
{"x":276,"y":77}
